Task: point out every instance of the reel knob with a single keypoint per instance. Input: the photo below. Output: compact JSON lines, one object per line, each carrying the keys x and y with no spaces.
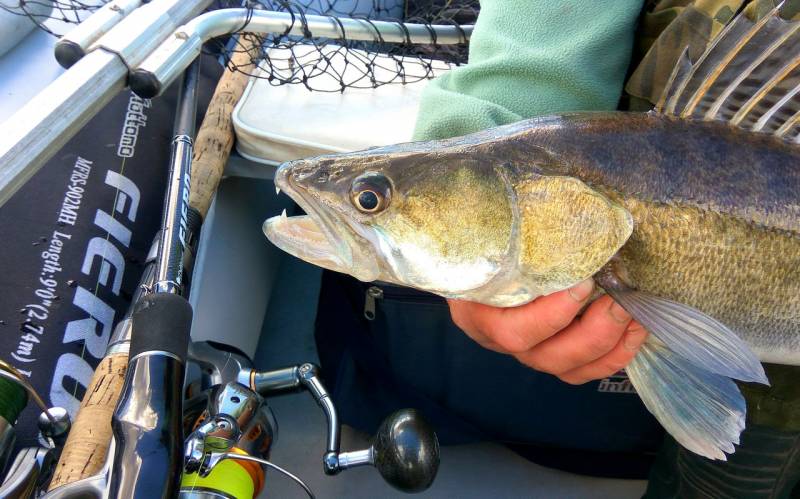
{"x":406,"y":451}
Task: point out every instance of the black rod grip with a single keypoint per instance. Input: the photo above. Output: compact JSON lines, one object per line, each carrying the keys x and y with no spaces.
{"x":148,"y":432}
{"x":161,"y":321}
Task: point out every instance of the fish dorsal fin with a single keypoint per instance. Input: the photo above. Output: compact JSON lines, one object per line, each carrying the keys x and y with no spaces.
{"x":749,"y":76}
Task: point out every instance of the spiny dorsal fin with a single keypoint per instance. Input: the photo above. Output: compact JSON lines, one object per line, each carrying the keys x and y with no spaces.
{"x":749,"y":76}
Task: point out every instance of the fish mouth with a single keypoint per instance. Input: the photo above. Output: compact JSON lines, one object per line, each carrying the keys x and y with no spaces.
{"x":316,"y":237}
{"x":302,"y":237}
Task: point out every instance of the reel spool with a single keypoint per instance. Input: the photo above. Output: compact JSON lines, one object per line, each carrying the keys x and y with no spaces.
{"x":230,"y":478}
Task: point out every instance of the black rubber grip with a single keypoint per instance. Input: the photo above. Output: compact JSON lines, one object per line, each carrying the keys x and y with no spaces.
{"x":161,"y":321}
{"x":68,"y":53}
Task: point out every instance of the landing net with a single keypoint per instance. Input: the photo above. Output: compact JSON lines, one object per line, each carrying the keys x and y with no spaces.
{"x":320,"y":64}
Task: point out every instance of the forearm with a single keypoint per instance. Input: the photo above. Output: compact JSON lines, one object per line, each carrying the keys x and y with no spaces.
{"x":533,"y":57}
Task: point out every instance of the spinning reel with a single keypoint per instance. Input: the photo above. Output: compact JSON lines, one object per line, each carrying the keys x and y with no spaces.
{"x":233,"y":422}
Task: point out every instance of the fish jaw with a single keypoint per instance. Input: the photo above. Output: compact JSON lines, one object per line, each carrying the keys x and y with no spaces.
{"x":320,"y":237}
{"x":301,"y":237}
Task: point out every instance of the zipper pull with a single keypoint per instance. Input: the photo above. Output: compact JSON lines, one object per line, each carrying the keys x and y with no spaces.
{"x":373,"y":293}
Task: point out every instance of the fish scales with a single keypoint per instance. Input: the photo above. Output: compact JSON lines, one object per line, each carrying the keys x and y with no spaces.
{"x":727,"y":244}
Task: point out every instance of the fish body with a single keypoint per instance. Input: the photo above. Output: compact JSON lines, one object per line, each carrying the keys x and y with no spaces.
{"x":716,"y":213}
{"x":699,"y":213}
{"x":688,"y":216}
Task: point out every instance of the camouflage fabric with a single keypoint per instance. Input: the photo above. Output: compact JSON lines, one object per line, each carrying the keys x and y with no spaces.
{"x":765,"y":466}
{"x":667,"y":26}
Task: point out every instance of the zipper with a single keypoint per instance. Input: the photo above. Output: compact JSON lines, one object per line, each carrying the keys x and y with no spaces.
{"x":397,"y":293}
{"x":373,"y":293}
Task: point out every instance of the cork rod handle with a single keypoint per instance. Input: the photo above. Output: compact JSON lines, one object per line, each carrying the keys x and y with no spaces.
{"x":87,"y":444}
{"x":215,"y":137}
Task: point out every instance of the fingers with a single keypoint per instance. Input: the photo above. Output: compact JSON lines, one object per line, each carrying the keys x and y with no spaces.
{"x":519,"y":329}
{"x":461,"y":313}
{"x":545,"y":335}
{"x":596,"y":333}
{"x":619,"y":357}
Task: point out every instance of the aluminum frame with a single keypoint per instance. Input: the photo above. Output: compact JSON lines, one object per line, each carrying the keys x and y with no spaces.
{"x":170,"y":59}
{"x":40,"y":128}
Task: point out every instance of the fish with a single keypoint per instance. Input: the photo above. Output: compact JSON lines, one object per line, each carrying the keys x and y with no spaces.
{"x":688,"y":216}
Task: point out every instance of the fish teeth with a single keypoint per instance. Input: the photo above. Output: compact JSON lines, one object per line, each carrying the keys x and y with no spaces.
{"x":283,"y":214}
{"x":277,"y":190}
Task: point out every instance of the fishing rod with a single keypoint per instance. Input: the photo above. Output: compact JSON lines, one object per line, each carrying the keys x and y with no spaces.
{"x":147,"y":420}
{"x":86,"y":449}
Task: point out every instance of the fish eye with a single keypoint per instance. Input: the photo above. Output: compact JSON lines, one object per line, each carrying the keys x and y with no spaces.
{"x":367,"y":200}
{"x":371,"y":192}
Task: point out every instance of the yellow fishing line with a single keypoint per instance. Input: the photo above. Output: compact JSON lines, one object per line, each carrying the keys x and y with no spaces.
{"x":227,"y":477}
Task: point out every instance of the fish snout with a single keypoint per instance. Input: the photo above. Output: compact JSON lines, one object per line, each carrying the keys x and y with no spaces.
{"x":282,"y":175}
{"x":312,"y":171}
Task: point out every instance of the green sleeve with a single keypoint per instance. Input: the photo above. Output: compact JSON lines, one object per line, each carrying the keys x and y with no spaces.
{"x":529,"y":58}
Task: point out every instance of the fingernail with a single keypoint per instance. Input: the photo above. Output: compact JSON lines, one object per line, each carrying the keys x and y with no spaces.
{"x":618,"y":313}
{"x":634,"y":339}
{"x":581,"y":291}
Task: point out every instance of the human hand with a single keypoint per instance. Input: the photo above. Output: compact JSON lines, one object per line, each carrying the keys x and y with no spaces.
{"x":546,"y":335}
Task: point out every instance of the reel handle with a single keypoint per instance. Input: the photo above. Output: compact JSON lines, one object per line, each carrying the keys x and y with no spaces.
{"x":406,"y":451}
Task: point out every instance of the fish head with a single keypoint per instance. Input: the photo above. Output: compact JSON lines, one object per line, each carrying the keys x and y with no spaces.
{"x":441,"y":224}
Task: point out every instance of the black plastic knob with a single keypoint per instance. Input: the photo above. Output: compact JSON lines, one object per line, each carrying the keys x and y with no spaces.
{"x":406,"y":451}
{"x":68,"y":53}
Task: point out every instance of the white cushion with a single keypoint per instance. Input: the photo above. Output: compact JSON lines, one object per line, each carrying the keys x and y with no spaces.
{"x":279,"y":123}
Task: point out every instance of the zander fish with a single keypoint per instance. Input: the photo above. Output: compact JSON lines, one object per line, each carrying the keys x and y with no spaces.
{"x":689,"y":216}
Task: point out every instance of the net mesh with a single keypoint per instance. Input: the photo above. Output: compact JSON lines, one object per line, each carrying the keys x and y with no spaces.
{"x":53,"y":16}
{"x":334,"y":65}
{"x":321,"y":64}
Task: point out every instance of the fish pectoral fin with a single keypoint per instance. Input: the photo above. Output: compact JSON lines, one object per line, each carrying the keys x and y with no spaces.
{"x":703,"y":411}
{"x":696,"y":337}
{"x":682,"y":373}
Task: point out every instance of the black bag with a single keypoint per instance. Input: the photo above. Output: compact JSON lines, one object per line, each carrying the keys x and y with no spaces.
{"x":412,"y":355}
